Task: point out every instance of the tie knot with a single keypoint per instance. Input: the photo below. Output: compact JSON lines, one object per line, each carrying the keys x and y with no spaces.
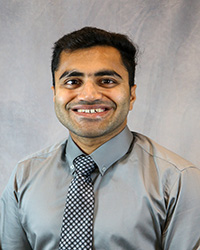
{"x":84,"y":165}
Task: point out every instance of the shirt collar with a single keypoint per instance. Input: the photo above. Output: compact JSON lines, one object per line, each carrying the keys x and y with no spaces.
{"x":107,"y":154}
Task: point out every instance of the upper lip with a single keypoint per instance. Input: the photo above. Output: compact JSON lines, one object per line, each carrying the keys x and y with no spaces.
{"x":78,"y":106}
{"x":85,"y":107}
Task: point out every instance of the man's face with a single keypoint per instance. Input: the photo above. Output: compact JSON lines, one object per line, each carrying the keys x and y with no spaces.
{"x":92,"y":94}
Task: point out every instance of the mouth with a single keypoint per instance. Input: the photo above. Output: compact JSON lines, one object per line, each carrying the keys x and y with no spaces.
{"x":91,"y":111}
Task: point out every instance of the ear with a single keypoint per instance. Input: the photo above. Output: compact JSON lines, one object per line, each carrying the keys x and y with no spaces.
{"x":54,"y":93}
{"x":132,"y":96}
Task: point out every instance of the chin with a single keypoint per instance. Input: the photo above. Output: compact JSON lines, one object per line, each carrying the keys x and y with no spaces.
{"x":89,"y":133}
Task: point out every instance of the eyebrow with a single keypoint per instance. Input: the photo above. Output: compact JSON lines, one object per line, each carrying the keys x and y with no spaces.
{"x":107,"y":73}
{"x":71,"y":73}
{"x":99,"y":73}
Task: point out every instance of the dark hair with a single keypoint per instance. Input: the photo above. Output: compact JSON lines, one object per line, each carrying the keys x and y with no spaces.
{"x":89,"y":37}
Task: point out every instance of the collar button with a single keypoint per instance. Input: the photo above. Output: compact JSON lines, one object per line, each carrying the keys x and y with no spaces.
{"x":72,"y":167}
{"x":103,"y":169}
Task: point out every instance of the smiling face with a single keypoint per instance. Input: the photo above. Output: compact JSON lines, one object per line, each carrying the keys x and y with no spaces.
{"x":92,"y":94}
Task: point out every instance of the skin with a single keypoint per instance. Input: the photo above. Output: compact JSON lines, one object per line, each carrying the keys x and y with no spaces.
{"x":92,"y":96}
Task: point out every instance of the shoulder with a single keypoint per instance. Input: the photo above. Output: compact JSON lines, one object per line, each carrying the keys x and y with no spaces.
{"x":32,"y":168}
{"x":162,"y":167}
{"x":33,"y":164}
{"x":160,"y":154}
{"x":45,"y":153}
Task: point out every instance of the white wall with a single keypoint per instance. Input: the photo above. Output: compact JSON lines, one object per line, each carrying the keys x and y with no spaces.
{"x":168,"y":78}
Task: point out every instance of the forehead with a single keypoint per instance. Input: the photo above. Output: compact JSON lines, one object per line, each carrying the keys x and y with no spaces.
{"x":92,"y":59}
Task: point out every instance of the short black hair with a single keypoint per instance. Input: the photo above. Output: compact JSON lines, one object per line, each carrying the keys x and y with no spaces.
{"x":91,"y":36}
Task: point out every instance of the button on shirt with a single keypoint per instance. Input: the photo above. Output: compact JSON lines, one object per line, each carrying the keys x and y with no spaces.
{"x":146,"y":197}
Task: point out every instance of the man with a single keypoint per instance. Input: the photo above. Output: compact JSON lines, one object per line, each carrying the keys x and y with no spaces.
{"x":145,"y":197}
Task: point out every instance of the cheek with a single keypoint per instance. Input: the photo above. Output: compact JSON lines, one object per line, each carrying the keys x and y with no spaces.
{"x":122,"y":97}
{"x":63,"y":97}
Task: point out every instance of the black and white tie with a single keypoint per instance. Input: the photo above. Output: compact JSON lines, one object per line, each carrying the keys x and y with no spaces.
{"x":77,"y":227}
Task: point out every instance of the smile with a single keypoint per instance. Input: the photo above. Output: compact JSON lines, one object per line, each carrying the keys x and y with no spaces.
{"x":90,"y":111}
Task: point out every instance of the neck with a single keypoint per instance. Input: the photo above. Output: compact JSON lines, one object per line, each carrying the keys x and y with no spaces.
{"x":89,"y":145}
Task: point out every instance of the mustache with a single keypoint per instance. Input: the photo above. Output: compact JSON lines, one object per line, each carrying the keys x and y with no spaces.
{"x":90,"y":103}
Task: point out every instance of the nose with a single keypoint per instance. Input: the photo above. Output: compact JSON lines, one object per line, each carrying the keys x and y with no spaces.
{"x":89,"y":91}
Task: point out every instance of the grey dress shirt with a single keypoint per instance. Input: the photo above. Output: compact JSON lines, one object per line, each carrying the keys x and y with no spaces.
{"x":146,"y":197}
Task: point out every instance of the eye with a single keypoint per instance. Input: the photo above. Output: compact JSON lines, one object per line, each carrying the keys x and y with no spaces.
{"x":72,"y":83}
{"x":107,"y":82}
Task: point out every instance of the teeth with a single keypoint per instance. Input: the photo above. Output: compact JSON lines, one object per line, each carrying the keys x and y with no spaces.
{"x":90,"y":111}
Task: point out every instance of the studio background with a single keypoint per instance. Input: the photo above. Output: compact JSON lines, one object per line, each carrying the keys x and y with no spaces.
{"x":168,"y":73}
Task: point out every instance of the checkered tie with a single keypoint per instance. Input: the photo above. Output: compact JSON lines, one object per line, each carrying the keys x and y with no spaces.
{"x":77,"y":227}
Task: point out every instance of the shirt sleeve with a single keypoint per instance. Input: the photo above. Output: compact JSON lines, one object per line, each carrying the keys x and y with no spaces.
{"x":12,"y":234}
{"x":182,"y":230}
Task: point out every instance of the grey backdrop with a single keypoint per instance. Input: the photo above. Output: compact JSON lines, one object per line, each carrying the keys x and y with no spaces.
{"x":168,"y":78}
